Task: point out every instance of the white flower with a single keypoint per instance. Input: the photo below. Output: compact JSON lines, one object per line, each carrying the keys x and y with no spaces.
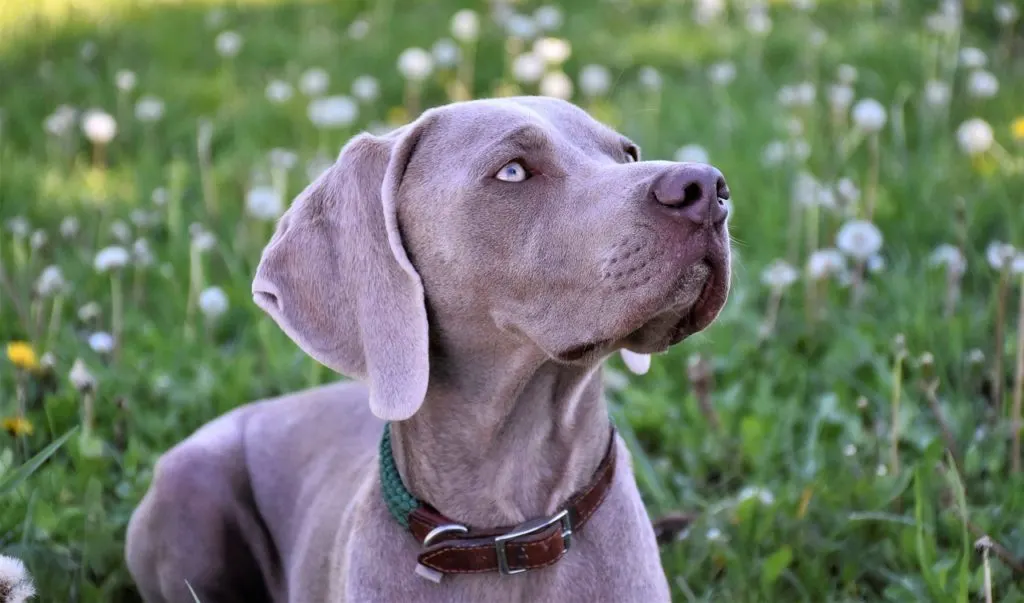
{"x":50,"y":282}
{"x":805,"y":189}
{"x":366,"y":88}
{"x":358,"y":29}
{"x":101,"y":342}
{"x":849,"y":450}
{"x":314,"y":81}
{"x":975,"y":356}
{"x":125,"y":80}
{"x":875,"y":264}
{"x":972,"y":58}
{"x":162,"y":383}
{"x":89,"y":311}
{"x":982,"y":84}
{"x":141,"y":252}
{"x":825,"y":262}
{"x":1000,"y":255}
{"x":797,"y":95}
{"x":228,"y":43}
{"x":521,"y":27}
{"x":722,"y":73}
{"x":595,"y":80}
{"x":215,"y":17}
{"x":69,"y":227}
{"x":279,"y":91}
{"x":141,"y":218}
{"x":548,"y":17}
{"x":264,"y":203}
{"x":159,"y":196}
{"x":415,"y":64}
{"x":213,"y":302}
{"x":715,"y":535}
{"x":975,"y":136}
{"x":706,"y":11}
{"x":120,"y":231}
{"x":817,"y":37}
{"x":527,"y":68}
{"x":757,"y":22}
{"x":763,"y":495}
{"x":446,"y":52}
{"x":881,"y":470}
{"x":61,"y":121}
{"x":779,"y":275}
{"x":283,"y":159}
{"x":554,"y":51}
{"x":869,"y":115}
{"x":1017,"y":267}
{"x":650,"y":78}
{"x":693,"y":153}
{"x":88,"y":50}
{"x":1006,"y":13}
{"x":203,"y":240}
{"x":848,"y":191}
{"x":38,"y":239}
{"x":942,"y":22}
{"x":859,"y":239}
{"x":804,"y":5}
{"x":950,"y":257}
{"x":465,"y":26}
{"x":15,"y":581}
{"x":149,"y":109}
{"x":110,"y":258}
{"x":99,"y":127}
{"x":840,"y":97}
{"x":846,"y":74}
{"x":556,"y":84}
{"x":333,"y":111}
{"x":936,"y":93}
{"x":80,"y":377}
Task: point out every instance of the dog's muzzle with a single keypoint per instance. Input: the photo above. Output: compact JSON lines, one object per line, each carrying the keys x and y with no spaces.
{"x":453,"y":548}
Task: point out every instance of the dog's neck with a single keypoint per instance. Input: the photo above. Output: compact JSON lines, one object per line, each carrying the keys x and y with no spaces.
{"x":506,"y":438}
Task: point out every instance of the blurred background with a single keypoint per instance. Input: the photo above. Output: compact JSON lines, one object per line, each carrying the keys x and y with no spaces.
{"x":849,"y":429}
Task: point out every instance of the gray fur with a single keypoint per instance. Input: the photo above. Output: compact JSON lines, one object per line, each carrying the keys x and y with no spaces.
{"x":476,"y":314}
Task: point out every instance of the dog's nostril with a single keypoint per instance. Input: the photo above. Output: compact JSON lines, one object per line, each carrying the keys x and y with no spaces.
{"x":692,"y":194}
{"x":723,"y":189}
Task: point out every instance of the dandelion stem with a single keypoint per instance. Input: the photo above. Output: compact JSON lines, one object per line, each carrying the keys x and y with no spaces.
{"x":464,"y":76}
{"x":54,"y":325}
{"x":988,"y":574}
{"x":203,"y":139}
{"x":117,"y":310}
{"x":871,"y":190}
{"x":894,"y":429}
{"x":1016,"y":421}
{"x":412,"y":99}
{"x":195,"y":285}
{"x":771,"y":315}
{"x":997,"y":359}
{"x":88,"y":411}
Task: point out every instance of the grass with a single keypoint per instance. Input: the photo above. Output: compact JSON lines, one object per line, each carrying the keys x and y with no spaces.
{"x":776,"y":427}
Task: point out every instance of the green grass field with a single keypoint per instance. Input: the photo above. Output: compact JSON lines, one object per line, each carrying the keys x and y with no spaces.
{"x":844,"y":432}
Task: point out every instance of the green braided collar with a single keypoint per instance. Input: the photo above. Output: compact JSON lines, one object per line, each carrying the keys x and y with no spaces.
{"x":399,"y":500}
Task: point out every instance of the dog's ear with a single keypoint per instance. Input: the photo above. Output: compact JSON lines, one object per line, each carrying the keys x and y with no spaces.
{"x":336,"y":277}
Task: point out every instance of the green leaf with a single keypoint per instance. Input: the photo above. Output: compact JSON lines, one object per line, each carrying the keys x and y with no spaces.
{"x":774,"y":565}
{"x":23,"y":472}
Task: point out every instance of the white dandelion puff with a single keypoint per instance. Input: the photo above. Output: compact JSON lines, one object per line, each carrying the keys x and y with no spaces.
{"x":823,"y":263}
{"x":415,"y":64}
{"x":333,"y":112}
{"x":445,"y":52}
{"x":859,"y":239}
{"x":465,"y":26}
{"x":149,"y":109}
{"x":556,"y":84}
{"x":264,"y":203}
{"x":779,"y":275}
{"x":228,"y":44}
{"x":554,"y":51}
{"x":1000,"y":255}
{"x":975,"y":136}
{"x":110,"y":258}
{"x":692,"y":153}
{"x":595,"y":80}
{"x":125,"y":80}
{"x":314,"y":82}
{"x":982,"y":84}
{"x":279,"y":92}
{"x":15,"y":582}
{"x":101,"y":342}
{"x":98,"y":126}
{"x":949,"y":257}
{"x":50,"y":282}
{"x":213,"y":302}
{"x":366,"y":88}
{"x":869,"y":115}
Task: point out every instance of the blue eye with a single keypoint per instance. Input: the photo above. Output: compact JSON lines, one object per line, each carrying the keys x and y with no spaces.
{"x":512,"y":172}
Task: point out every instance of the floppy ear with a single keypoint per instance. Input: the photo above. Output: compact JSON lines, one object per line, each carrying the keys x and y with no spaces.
{"x":336,"y":278}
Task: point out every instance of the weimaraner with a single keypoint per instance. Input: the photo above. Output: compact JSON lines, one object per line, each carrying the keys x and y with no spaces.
{"x":472,"y":270}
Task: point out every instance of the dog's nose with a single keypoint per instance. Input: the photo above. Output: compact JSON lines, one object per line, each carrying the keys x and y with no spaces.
{"x":695,"y":190}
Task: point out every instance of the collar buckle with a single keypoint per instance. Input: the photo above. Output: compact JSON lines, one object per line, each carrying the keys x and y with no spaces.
{"x":529,"y":528}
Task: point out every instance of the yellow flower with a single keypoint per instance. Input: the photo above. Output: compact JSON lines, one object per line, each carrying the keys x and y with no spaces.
{"x":18,"y":426}
{"x":22,"y":355}
{"x":1017,"y":128}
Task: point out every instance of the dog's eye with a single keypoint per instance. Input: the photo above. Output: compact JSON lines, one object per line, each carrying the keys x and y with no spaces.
{"x":512,"y":171}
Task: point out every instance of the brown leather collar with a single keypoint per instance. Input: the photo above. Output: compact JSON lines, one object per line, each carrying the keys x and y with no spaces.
{"x":452,"y":548}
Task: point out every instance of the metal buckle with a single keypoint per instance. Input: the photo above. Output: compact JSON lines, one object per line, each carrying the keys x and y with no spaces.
{"x":443,"y":529}
{"x":531,"y":527}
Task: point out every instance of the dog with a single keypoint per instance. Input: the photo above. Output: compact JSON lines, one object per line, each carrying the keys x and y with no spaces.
{"x":470,"y":272}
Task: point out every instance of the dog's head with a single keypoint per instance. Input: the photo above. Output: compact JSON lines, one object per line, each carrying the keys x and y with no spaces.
{"x":523,"y":219}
